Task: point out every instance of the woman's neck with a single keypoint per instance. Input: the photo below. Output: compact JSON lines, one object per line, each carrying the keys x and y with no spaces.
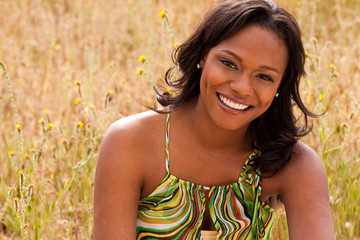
{"x":207,"y":134}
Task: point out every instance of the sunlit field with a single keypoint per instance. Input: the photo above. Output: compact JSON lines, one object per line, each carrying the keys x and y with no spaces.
{"x":70,"y":68}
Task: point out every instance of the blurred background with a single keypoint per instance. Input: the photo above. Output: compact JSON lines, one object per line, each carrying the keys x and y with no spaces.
{"x":69,"y":68}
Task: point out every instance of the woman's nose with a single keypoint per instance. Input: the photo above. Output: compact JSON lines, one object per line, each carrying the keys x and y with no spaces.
{"x":242,"y":84}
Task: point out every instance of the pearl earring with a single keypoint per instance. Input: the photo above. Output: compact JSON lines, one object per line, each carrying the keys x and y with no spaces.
{"x":198,"y":65}
{"x":277,"y":94}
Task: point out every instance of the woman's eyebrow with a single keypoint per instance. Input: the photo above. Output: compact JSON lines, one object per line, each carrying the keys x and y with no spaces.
{"x":232,"y":54}
{"x":269,"y":68}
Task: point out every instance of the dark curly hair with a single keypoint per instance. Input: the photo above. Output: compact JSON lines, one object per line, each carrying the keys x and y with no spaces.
{"x":275,"y":132}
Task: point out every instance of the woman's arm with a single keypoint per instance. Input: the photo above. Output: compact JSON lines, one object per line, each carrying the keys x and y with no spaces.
{"x":118,"y":182}
{"x":305,"y":193}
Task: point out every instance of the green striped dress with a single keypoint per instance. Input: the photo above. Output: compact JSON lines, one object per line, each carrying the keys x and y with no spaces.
{"x":176,"y":208}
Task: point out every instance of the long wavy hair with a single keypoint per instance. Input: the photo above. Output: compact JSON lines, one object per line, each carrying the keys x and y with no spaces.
{"x":275,"y":132}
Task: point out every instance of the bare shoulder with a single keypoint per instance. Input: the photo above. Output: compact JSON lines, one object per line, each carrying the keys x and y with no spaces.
{"x":304,"y":160}
{"x":135,"y":125}
{"x":122,"y":163}
{"x":304,"y":190}
{"x":126,"y":143}
{"x":304,"y":169}
{"x":134,"y":133}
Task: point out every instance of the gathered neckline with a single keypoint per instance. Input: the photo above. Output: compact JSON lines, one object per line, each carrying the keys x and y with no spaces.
{"x":243,"y":169}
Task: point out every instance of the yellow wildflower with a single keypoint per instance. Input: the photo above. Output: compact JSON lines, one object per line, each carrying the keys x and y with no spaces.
{"x":316,"y":58}
{"x":18,"y":126}
{"x":110,"y":92}
{"x":11,"y":153}
{"x":332,"y":66}
{"x":77,"y":101}
{"x":46,"y":111}
{"x":41,"y":120}
{"x":26,"y":156}
{"x":336,"y":74}
{"x":141,"y":59}
{"x":308,"y":99}
{"x":139,"y":71}
{"x":65,"y":185}
{"x":168,"y":90}
{"x":91,"y":106}
{"x":57,"y":47}
{"x":76,"y":84}
{"x":175,"y":45}
{"x":51,"y":126}
{"x":162,"y":14}
{"x":63,"y":140}
{"x":322,"y":96}
{"x":80,"y":124}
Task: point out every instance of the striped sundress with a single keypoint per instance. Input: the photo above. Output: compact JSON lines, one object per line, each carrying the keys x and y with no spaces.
{"x":176,"y":208}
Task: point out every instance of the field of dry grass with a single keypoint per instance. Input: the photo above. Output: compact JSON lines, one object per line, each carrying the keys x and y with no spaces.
{"x":72,"y":68}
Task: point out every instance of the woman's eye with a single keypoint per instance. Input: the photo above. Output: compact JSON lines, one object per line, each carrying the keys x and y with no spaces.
{"x":228,"y":64}
{"x":265,"y":77}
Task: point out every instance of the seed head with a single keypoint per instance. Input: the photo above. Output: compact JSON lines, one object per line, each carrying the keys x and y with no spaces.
{"x":21,"y":179}
{"x":30,"y":190}
{"x":16,"y":204}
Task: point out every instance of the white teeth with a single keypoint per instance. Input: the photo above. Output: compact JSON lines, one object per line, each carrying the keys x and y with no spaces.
{"x":232,"y":104}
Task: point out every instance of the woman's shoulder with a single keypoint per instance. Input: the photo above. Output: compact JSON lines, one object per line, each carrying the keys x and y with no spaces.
{"x":304,"y":158}
{"x":304,"y":192}
{"x":141,"y":123}
{"x":136,"y":130}
{"x":128,"y":139}
{"x":304,"y":170}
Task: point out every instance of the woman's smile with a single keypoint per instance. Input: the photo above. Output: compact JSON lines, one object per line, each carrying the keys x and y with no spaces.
{"x":233,"y":104}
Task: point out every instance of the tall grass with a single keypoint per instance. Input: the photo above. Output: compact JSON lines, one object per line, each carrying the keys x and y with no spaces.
{"x":71,"y":68}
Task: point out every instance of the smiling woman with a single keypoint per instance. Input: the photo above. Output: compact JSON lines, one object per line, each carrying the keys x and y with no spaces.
{"x":241,"y":76}
{"x":234,"y":145}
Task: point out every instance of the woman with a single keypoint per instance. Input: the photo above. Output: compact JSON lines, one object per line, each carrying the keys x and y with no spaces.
{"x":232,"y":153}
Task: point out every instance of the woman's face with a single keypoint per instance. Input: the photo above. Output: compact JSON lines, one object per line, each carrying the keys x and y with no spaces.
{"x":241,"y":75}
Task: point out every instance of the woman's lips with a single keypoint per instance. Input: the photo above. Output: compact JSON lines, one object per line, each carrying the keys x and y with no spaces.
{"x":231,"y":104}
